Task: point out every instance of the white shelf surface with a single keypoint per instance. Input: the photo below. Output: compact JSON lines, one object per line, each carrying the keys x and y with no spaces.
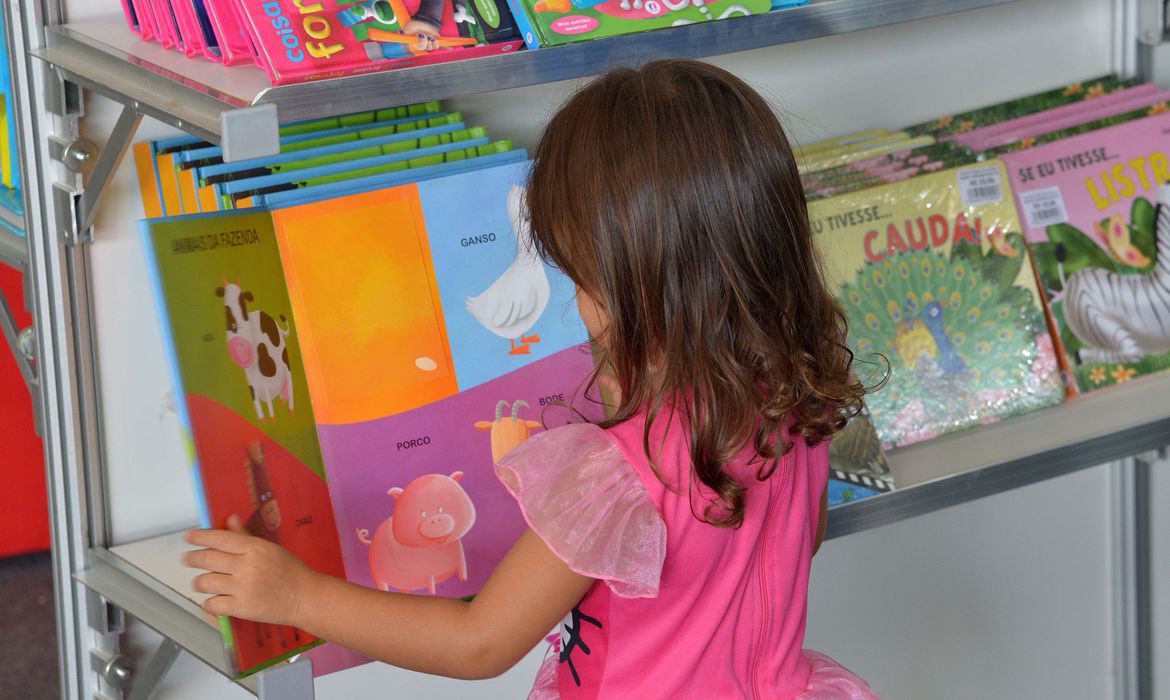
{"x":193,"y":94}
{"x":161,"y":559}
{"x":148,"y":580}
{"x":1082,"y":432}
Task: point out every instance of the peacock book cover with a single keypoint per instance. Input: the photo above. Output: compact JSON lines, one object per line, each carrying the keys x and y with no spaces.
{"x":1101,"y":252}
{"x":941,"y":301}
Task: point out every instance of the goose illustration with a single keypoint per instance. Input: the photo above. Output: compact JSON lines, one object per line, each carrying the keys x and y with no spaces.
{"x":515,"y":301}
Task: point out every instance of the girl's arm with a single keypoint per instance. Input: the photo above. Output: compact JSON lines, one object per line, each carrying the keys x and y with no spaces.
{"x":524,"y":598}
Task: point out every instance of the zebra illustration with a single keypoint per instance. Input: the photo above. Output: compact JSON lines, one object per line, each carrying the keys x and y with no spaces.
{"x":1122,"y":318}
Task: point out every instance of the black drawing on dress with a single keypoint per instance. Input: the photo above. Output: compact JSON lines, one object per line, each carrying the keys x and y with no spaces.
{"x":571,"y":639}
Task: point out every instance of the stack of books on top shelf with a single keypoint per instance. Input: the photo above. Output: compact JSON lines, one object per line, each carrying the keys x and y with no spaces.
{"x":10,"y":196}
{"x":1000,"y":260}
{"x":297,"y":41}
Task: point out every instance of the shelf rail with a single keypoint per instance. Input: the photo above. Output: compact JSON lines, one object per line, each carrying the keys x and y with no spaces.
{"x":236,"y":107}
{"x":13,"y":250}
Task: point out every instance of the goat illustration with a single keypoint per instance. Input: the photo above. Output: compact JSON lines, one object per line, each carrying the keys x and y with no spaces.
{"x":507,"y":434}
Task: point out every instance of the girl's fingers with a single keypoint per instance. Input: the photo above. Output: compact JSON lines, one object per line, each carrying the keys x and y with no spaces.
{"x":214,"y":583}
{"x":211,"y":560}
{"x":230,"y":542}
{"x":234,"y":524}
{"x":220,"y":605}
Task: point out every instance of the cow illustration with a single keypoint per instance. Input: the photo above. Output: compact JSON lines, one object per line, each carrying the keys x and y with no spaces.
{"x":256,"y":342}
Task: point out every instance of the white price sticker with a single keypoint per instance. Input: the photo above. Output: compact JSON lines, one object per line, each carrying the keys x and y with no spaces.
{"x":981,"y":186}
{"x":1043,"y":207}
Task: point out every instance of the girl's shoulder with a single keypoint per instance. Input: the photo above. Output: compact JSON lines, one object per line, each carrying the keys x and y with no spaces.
{"x":578,"y":491}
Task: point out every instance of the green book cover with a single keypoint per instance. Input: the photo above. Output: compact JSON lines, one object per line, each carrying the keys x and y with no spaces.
{"x":941,"y":302}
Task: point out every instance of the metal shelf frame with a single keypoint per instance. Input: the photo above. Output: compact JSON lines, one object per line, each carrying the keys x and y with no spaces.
{"x":13,"y":248}
{"x":54,"y":62}
{"x":228,"y":105}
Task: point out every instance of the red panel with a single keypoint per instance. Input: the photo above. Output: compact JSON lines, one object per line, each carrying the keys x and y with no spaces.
{"x":23,"y":503}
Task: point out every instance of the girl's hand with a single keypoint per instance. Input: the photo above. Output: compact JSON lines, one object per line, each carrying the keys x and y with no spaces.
{"x":248,"y":577}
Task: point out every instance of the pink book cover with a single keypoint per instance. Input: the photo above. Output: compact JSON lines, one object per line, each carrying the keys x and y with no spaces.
{"x":168,"y":31}
{"x":147,"y":24}
{"x":192,"y":37}
{"x":1073,"y":109}
{"x":306,"y":41}
{"x":1017,"y":135}
{"x":234,"y":46}
{"x":241,"y":14}
{"x":1088,"y":208}
{"x":132,"y":19}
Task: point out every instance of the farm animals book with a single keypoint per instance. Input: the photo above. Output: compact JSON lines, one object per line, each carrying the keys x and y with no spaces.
{"x":425,"y":339}
{"x":302,"y":41}
{"x":941,"y":301}
{"x":1089,"y":204}
{"x":249,"y":426}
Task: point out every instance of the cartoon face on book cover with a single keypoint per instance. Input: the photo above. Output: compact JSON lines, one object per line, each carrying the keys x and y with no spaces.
{"x":435,"y":340}
{"x":1089,"y":203}
{"x":237,"y":355}
{"x":934,"y":277}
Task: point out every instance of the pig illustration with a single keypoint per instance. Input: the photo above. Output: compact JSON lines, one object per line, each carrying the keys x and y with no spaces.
{"x":419,"y":546}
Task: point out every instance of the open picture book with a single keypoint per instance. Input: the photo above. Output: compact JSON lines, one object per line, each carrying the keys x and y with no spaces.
{"x":351,"y":365}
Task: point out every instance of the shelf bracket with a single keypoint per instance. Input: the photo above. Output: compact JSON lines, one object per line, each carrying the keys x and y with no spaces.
{"x":72,"y":155}
{"x":146,"y":682}
{"x":113,"y":668}
{"x":17,"y":341}
{"x":1153,"y":52}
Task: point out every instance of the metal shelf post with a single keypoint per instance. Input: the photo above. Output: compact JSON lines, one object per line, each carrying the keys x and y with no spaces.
{"x":96,"y":586}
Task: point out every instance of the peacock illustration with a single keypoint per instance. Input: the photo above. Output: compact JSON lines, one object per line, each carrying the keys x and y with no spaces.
{"x":958,"y":333}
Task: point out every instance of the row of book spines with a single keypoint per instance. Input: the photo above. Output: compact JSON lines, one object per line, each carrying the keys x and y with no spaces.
{"x":210,"y":156}
{"x":953,"y":125}
{"x":852,"y":177}
{"x":422,"y":109}
{"x":504,"y":146}
{"x":222,"y":175}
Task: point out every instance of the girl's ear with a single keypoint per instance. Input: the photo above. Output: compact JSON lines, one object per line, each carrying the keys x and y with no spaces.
{"x":592,"y":314}
{"x":611,"y":389}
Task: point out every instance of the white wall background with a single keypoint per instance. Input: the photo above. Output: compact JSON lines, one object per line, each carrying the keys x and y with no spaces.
{"x":1003,"y":598}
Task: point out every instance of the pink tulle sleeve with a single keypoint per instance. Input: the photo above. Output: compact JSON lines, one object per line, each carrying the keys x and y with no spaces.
{"x":581,"y":496}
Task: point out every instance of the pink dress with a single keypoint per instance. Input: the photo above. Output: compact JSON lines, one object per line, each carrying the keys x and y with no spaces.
{"x":681,"y":608}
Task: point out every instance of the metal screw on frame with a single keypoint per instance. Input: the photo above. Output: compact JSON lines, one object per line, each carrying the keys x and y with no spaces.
{"x":118,"y":671}
{"x":27,"y":342}
{"x":80,"y":156}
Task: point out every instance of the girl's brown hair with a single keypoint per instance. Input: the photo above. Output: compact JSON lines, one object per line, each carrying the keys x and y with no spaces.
{"x":669,"y":194}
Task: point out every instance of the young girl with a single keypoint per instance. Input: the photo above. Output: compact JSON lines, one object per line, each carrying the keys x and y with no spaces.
{"x":674,"y":539}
